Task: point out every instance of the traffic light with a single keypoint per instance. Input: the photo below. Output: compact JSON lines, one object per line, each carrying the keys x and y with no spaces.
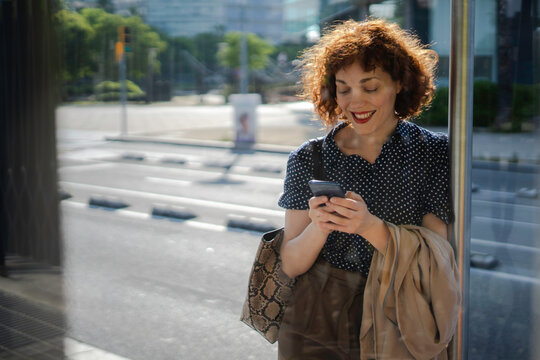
{"x":127,"y":39}
{"x":124,"y":36}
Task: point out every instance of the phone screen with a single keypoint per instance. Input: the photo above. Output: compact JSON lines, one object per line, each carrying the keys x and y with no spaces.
{"x":326,"y":188}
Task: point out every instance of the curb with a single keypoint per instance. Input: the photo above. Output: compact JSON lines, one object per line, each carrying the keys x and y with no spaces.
{"x":504,"y":165}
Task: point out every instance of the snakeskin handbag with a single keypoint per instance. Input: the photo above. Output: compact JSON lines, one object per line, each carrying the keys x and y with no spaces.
{"x":269,"y":289}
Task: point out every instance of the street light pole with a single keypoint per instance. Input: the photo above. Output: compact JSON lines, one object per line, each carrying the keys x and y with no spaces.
{"x":243,"y":52}
{"x":123,"y":96}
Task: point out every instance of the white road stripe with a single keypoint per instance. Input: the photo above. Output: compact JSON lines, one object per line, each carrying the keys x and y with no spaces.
{"x":495,"y":192}
{"x":133,"y":214}
{"x":168,"y":181}
{"x":85,"y":167}
{"x":233,"y":176}
{"x":145,"y":216}
{"x":504,"y":221}
{"x":205,"y":226}
{"x":149,"y":195}
{"x":522,"y":206}
{"x":74,"y":204}
{"x":507,"y":276}
{"x":497,"y":244}
{"x":206,"y":174}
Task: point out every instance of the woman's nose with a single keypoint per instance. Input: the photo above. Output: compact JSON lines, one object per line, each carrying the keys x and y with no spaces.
{"x":357,"y":97}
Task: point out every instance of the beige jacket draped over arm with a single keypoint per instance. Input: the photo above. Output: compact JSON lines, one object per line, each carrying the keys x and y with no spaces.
{"x":412,"y":297}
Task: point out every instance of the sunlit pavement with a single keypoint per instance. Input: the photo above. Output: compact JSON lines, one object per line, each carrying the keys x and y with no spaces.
{"x":287,"y":124}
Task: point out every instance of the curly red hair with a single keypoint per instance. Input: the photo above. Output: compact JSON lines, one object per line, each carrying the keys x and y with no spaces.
{"x":373,"y":43}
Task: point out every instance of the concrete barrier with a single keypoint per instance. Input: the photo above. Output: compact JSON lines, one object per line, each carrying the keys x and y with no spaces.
{"x":106,"y":202}
{"x":135,"y":157}
{"x":250,"y":223}
{"x":172,"y":212}
{"x":176,"y":161}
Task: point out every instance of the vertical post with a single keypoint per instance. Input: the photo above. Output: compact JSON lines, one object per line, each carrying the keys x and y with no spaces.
{"x":123,"y":115}
{"x":460,"y":133}
{"x":243,"y":52}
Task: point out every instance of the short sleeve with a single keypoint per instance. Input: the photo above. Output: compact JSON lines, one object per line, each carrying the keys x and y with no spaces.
{"x":296,"y":191}
{"x":437,"y":190}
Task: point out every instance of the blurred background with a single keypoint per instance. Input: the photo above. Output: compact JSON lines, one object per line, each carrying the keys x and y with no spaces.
{"x":143,"y":151}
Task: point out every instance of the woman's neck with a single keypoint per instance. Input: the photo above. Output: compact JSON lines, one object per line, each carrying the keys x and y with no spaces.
{"x":368,"y":146}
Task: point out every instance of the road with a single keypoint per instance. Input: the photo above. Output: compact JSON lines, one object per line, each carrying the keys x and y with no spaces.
{"x":146,"y":287}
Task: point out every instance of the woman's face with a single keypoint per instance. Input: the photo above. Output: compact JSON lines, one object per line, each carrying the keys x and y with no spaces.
{"x":367,"y":99}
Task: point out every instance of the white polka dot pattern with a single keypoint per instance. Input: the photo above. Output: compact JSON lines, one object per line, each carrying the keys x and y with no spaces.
{"x":409,"y":179}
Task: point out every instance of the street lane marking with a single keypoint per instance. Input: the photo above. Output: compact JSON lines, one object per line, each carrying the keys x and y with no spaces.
{"x":205,"y":226}
{"x":94,"y":166}
{"x":523,"y":206}
{"x":504,"y":221}
{"x":133,"y":214}
{"x":205,"y":173}
{"x":208,"y":203}
{"x":507,"y":276}
{"x":144,"y":216}
{"x":168,"y":181}
{"x":74,"y":204}
{"x":508,"y":246}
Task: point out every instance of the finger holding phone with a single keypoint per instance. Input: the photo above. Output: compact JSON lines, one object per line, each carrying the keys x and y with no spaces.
{"x":321,"y":215}
{"x":331,"y":209}
{"x":352,"y":215}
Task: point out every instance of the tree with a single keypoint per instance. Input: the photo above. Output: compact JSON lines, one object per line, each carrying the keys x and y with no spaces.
{"x":143,"y":38}
{"x":76,"y":36}
{"x":259,"y":51}
{"x":87,"y":46}
{"x":175,"y":66}
{"x":207,"y":46}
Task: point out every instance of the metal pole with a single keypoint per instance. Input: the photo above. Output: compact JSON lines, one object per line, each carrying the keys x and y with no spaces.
{"x":123,"y":130}
{"x":243,"y":53}
{"x":460,"y":133}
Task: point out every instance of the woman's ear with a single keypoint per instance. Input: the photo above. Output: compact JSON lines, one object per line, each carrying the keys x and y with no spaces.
{"x":399,"y":87}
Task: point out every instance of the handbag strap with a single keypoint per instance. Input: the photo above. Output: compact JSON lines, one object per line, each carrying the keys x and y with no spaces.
{"x":318,"y":165}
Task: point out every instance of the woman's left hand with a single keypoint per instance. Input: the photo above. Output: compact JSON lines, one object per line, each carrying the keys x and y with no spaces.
{"x":351,"y":214}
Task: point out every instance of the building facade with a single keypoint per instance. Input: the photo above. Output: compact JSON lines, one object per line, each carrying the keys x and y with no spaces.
{"x":192,"y":17}
{"x":301,"y":20}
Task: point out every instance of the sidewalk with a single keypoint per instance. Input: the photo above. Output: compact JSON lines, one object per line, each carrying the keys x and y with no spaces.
{"x":190,"y":122}
{"x":32,"y":302}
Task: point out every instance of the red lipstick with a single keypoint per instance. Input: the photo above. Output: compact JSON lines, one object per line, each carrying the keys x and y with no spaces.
{"x":362,"y":117}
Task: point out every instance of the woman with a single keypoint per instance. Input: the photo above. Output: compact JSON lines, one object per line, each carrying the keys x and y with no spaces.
{"x":366,"y":81}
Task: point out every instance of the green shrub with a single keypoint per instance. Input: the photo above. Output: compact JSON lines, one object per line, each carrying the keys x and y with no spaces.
{"x":484,"y":103}
{"x":484,"y":106}
{"x":525,"y":103}
{"x":110,"y":91}
{"x":108,"y":86}
{"x":437,"y":113}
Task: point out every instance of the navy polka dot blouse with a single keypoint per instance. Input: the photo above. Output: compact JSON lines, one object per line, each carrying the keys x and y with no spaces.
{"x":409,"y":179}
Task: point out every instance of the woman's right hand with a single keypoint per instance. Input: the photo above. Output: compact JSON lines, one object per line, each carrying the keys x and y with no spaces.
{"x":319,"y":214}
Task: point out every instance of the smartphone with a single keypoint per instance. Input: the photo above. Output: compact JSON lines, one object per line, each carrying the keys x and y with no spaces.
{"x":326,"y":188}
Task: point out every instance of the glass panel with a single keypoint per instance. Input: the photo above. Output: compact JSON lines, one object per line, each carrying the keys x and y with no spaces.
{"x":505,"y":241}
{"x":164,"y":195}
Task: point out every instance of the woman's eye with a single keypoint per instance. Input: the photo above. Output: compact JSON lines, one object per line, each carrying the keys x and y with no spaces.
{"x":343,"y":91}
{"x":371,"y":90}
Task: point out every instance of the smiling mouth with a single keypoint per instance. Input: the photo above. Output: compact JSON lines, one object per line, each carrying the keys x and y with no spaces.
{"x":363,"y":117}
